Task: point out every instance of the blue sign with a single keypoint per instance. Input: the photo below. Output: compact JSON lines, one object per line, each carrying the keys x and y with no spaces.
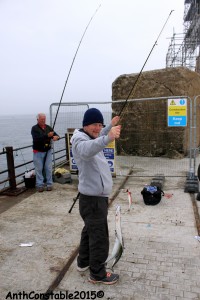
{"x":177,"y":121}
{"x":109,"y":153}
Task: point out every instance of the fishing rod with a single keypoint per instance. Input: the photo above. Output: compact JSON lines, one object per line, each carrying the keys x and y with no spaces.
{"x":69,"y":74}
{"x":139,"y":75}
{"x":73,"y":63}
{"x":75,"y":199}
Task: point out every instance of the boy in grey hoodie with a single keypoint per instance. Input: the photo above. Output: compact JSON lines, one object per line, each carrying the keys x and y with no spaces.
{"x":95,"y":185}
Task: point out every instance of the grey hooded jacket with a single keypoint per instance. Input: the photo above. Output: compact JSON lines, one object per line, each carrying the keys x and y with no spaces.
{"x":94,"y":173}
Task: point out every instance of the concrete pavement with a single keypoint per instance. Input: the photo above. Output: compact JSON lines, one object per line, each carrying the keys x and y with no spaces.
{"x":161,"y":259}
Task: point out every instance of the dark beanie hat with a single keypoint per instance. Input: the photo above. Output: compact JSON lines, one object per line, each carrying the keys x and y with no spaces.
{"x":91,"y":116}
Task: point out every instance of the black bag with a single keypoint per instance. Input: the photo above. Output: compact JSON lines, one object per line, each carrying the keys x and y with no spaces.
{"x":152,"y":195}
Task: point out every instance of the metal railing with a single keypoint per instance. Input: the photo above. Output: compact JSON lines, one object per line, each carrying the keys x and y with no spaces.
{"x":14,"y":173}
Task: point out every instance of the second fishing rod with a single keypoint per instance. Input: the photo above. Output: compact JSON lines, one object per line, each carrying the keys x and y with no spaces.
{"x":131,"y":92}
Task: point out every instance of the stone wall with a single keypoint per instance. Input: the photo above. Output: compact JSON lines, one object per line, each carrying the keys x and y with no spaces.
{"x":145,"y":131}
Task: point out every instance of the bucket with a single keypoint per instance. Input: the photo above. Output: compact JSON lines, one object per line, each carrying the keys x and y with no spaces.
{"x":29,"y":182}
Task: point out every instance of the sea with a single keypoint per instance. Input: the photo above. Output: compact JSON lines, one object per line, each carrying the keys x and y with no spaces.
{"x":15,"y":131}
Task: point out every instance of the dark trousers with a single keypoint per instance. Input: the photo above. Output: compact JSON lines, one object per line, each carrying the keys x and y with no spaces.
{"x":94,"y":244}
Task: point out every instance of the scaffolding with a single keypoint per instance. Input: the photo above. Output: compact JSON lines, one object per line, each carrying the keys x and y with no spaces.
{"x":184,"y":47}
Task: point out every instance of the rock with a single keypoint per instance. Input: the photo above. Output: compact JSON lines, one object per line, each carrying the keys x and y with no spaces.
{"x":145,"y":123}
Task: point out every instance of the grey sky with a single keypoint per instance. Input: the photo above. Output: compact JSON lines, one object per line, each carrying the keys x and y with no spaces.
{"x":39,"y":39}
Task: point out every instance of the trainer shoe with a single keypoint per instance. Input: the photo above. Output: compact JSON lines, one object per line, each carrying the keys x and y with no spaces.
{"x":49,"y":188}
{"x":110,"y":278}
{"x":82,"y":269}
{"x":40,"y":189}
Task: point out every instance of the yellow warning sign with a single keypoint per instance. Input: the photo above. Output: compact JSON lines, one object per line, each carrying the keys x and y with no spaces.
{"x":172,"y":102}
{"x":111,"y":145}
{"x":177,"y":111}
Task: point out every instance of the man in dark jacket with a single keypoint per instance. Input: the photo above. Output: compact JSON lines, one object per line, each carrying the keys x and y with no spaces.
{"x":42,"y":135}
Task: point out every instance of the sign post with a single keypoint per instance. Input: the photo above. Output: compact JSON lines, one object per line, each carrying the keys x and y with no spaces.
{"x":72,"y":163}
{"x":109,"y":153}
{"x":177,"y":112}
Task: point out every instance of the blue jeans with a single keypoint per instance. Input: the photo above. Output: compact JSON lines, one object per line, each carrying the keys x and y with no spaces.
{"x":38,"y":160}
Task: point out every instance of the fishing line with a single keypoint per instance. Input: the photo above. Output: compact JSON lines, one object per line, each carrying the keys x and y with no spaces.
{"x":73,"y":62}
{"x":23,"y":159}
{"x":45,"y":157}
{"x":139,"y":75}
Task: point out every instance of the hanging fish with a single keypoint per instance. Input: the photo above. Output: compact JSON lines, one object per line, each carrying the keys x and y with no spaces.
{"x":118,"y":229}
{"x":130,"y":199}
{"x":118,"y":247}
